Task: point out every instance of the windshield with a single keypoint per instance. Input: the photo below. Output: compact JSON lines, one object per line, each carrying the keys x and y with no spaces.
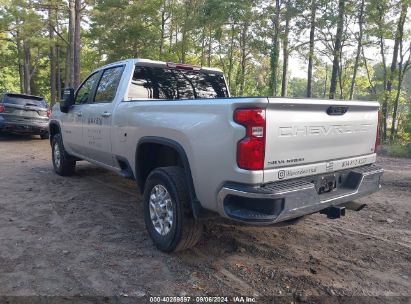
{"x":166,"y":83}
{"x":25,"y":100}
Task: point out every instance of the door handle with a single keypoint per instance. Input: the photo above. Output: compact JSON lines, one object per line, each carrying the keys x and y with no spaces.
{"x":106,"y":114}
{"x":79,"y":114}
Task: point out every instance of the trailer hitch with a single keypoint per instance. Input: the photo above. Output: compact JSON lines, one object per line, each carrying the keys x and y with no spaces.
{"x":333,"y":212}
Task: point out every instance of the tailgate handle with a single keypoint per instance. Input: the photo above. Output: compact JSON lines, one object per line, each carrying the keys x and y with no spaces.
{"x":337,"y":110}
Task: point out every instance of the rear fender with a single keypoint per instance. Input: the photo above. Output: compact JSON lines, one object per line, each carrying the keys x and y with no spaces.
{"x":198,"y":210}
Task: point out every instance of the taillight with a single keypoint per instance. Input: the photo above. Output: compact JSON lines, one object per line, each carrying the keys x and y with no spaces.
{"x":48,"y":113}
{"x":182,"y":66}
{"x":377,"y":138}
{"x":2,"y":108}
{"x":251,"y":149}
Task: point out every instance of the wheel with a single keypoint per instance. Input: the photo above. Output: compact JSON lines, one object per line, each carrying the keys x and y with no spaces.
{"x":63,"y":163}
{"x":167,"y":213}
{"x":44,"y":135}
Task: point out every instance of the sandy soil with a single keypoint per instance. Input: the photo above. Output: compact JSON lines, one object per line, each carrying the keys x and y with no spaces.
{"x":85,"y":235}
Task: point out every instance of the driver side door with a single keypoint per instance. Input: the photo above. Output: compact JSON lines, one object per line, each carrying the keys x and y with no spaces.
{"x":72,"y":122}
{"x":98,"y":117}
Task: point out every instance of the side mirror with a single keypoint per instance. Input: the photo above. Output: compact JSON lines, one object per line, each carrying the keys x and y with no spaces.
{"x":67,"y":99}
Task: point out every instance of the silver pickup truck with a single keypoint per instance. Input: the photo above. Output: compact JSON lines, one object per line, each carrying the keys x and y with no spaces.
{"x":195,"y":152}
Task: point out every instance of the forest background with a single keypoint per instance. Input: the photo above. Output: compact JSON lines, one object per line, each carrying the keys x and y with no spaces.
{"x":342,"y":49}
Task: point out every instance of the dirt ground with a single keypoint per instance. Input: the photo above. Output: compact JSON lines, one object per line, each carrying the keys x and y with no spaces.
{"x":85,"y":236}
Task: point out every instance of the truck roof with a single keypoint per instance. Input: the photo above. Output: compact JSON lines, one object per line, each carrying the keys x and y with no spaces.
{"x":157,"y":63}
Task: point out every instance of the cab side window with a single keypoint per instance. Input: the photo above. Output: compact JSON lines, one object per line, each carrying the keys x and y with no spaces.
{"x":86,"y":89}
{"x":107,"y":87}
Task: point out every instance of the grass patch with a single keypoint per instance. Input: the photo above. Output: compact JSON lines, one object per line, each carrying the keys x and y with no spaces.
{"x":396,"y":150}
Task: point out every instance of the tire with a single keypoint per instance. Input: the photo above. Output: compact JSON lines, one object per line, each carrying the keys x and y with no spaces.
{"x":185,"y":231}
{"x":63,"y":163}
{"x":45,"y":135}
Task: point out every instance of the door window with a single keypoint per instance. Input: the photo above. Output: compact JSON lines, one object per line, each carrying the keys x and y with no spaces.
{"x":107,"y":87}
{"x":86,"y":89}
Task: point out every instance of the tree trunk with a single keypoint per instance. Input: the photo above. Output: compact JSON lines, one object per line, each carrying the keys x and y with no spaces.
{"x":203,"y":46}
{"x":311,"y":51}
{"x":230,"y":56}
{"x":67,"y":68}
{"x":26,"y":68}
{"x":284,"y":79}
{"x":340,"y":78}
{"x":395,"y":110}
{"x":20,"y":60}
{"x":77,"y":46}
{"x":58,"y":73}
{"x":162,"y":32}
{"x":384,"y":110}
{"x":359,"y":47}
{"x":337,"y":49}
{"x":401,"y":71}
{"x":184,"y":31}
{"x":176,"y":34}
{"x":374,"y":91}
{"x":397,"y":44}
{"x":275,"y":51}
{"x":58,"y":67}
{"x":170,"y":35}
{"x":209,"y":46}
{"x":220,"y":52}
{"x":326,"y":81}
{"x":398,"y":39}
{"x":160,"y":51}
{"x":69,"y":77}
{"x":243,"y":63}
{"x":52,"y":55}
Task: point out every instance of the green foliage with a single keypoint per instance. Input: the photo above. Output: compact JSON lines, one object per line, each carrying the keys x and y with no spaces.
{"x":9,"y":79}
{"x":297,"y":87}
{"x":407,"y":123}
{"x":234,"y":35}
{"x":396,"y":150}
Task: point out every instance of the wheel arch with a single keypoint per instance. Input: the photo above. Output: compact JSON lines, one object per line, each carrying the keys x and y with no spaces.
{"x":54,"y":128}
{"x":144,"y":167}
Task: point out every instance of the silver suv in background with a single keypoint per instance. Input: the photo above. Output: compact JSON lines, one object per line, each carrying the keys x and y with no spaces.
{"x":24,"y":114}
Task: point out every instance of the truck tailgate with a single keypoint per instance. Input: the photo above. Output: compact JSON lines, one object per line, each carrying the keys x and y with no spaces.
{"x":316,"y":136}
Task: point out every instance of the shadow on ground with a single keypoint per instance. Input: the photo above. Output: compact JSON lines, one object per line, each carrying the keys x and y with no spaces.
{"x":17,"y":137}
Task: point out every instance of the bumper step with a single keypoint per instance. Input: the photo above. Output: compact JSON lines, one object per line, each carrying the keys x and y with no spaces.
{"x":285,"y":200}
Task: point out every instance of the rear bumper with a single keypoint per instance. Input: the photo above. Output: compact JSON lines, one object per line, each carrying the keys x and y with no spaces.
{"x":281,"y":201}
{"x":24,"y":127}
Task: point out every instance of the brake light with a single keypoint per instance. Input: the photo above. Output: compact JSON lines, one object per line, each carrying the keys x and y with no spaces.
{"x":251,"y":149}
{"x":377,"y":138}
{"x":2,"y":108}
{"x":181,"y":66}
{"x":48,"y":113}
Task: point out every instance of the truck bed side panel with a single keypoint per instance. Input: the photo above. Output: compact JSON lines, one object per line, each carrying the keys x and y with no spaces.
{"x":204,"y":128}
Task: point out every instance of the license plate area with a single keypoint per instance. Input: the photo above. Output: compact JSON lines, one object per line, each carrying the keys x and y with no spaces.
{"x":338,"y":181}
{"x":326,"y":183}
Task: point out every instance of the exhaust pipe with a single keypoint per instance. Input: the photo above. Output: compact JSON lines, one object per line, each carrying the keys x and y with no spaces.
{"x":354,"y":206}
